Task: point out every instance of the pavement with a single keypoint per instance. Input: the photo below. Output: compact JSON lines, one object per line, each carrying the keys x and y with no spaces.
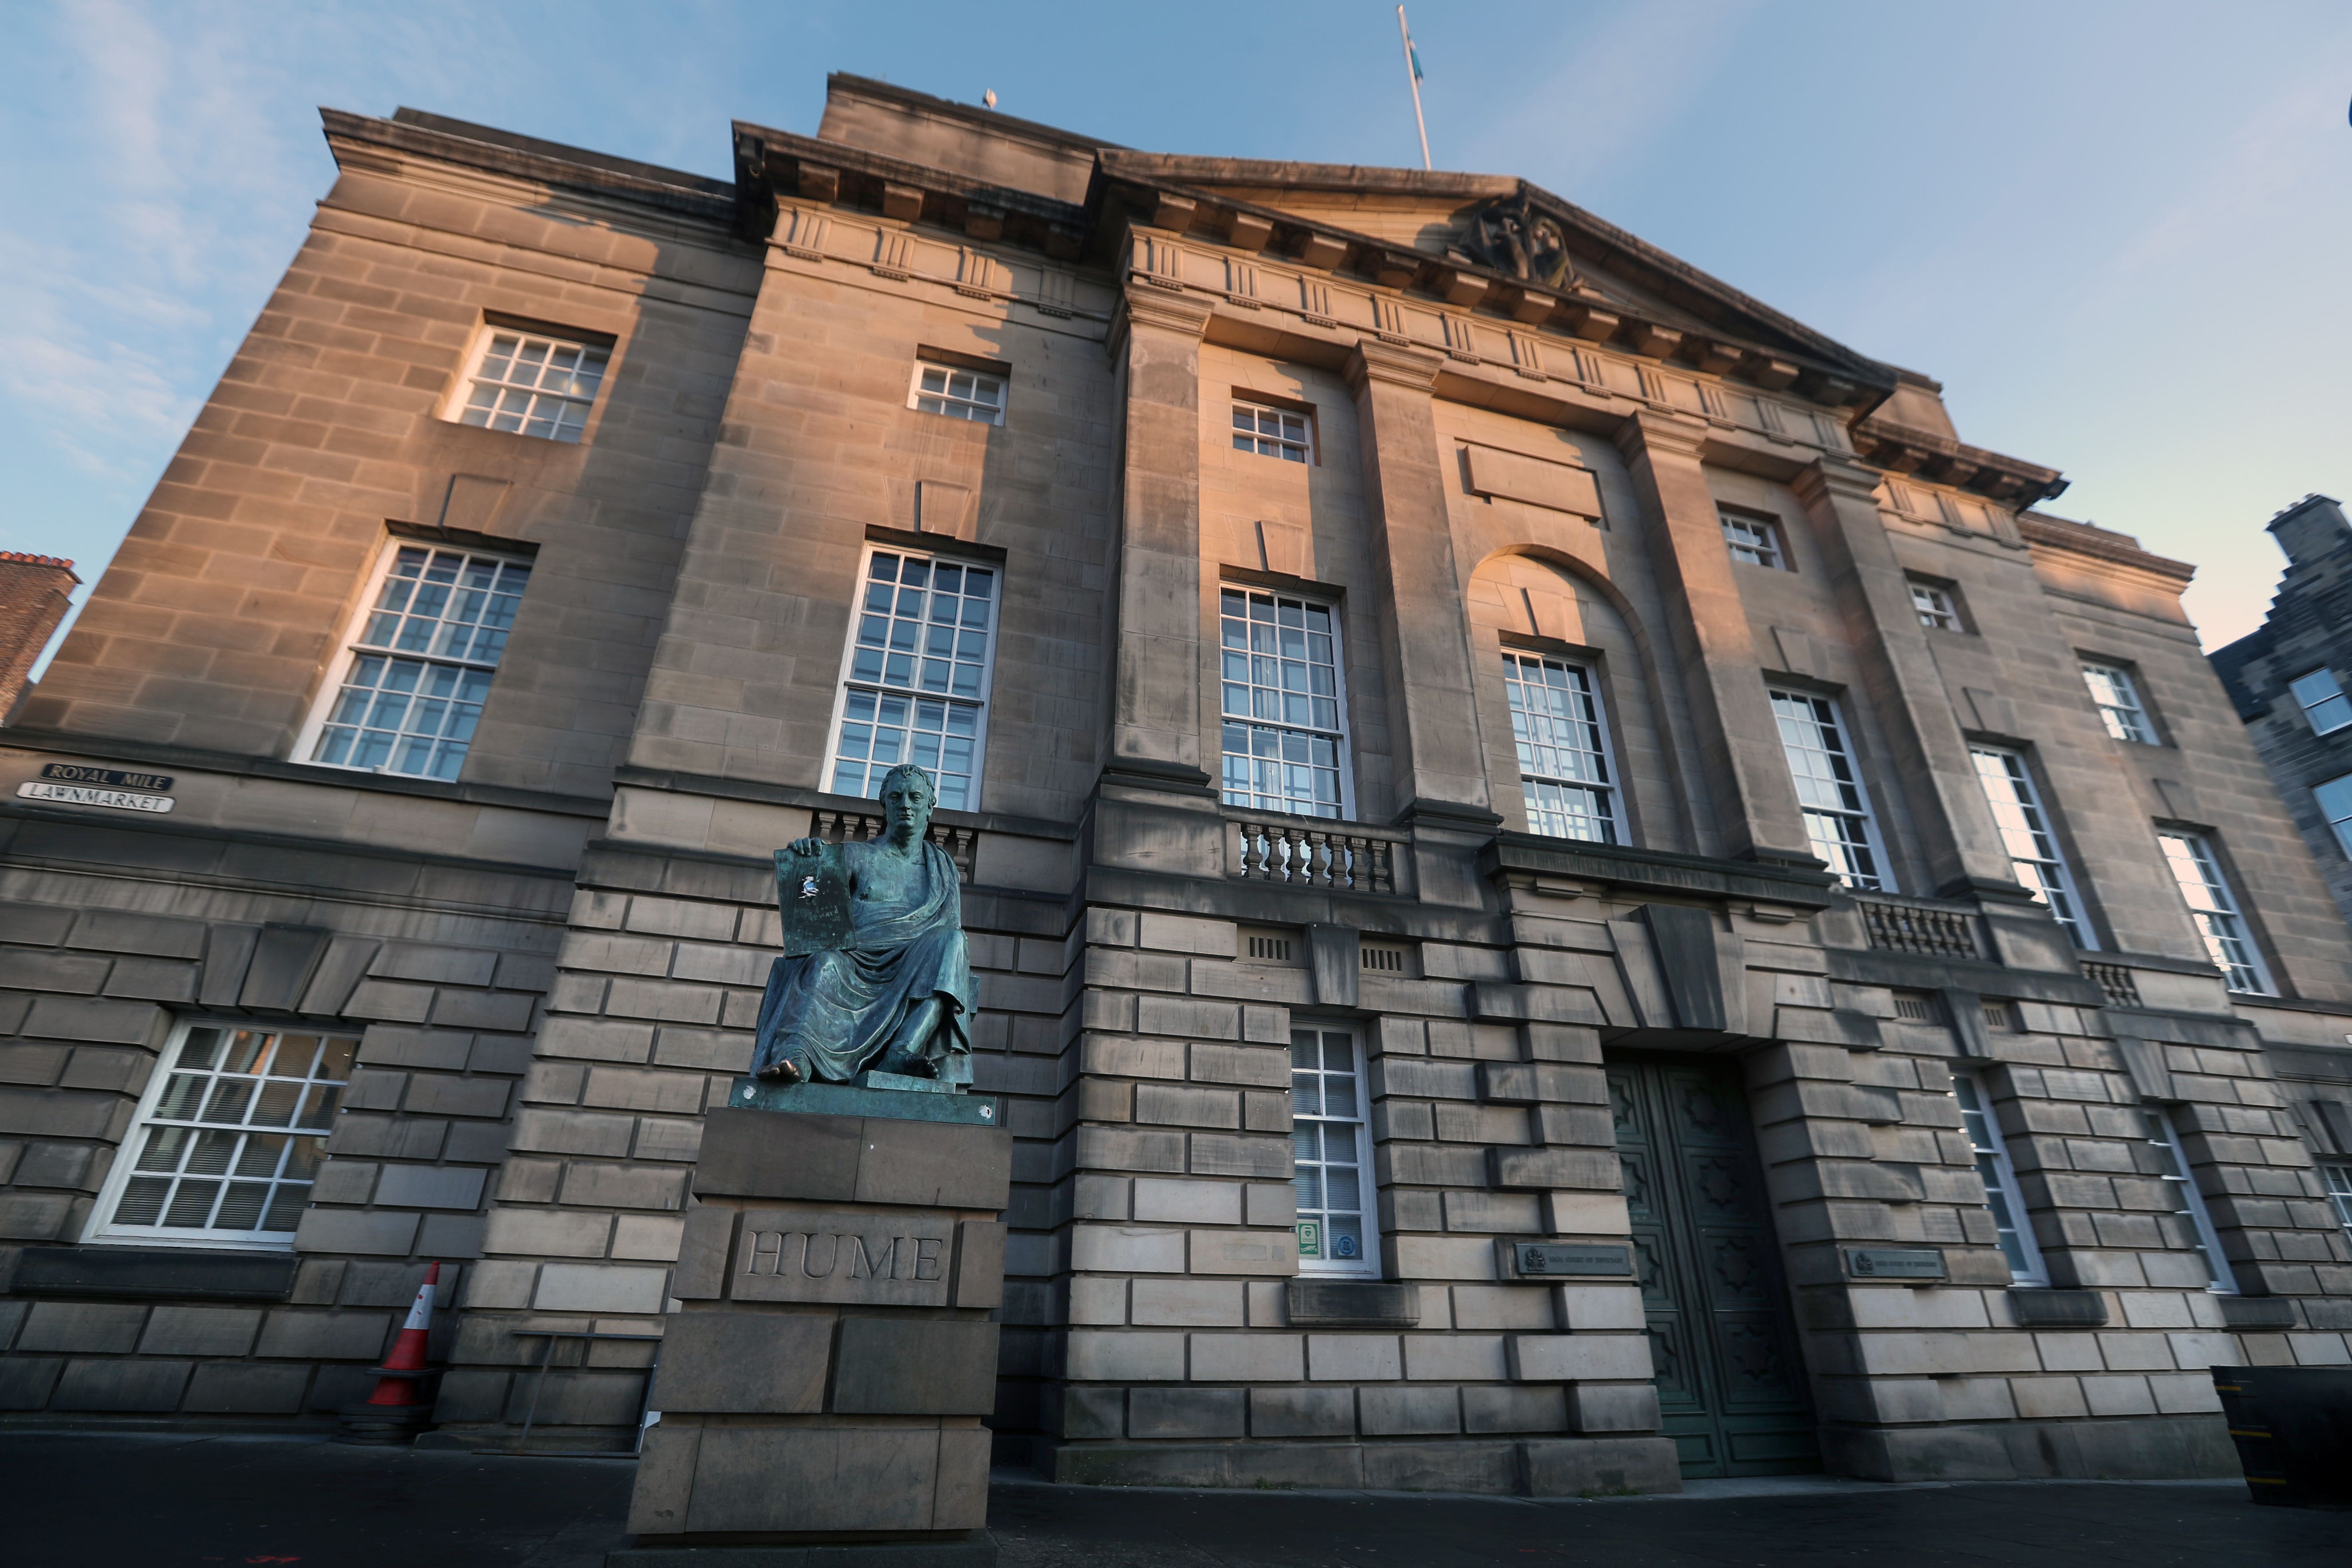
{"x":81,"y":1499}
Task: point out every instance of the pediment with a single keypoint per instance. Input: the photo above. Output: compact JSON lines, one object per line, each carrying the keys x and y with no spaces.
{"x":1501,"y":226}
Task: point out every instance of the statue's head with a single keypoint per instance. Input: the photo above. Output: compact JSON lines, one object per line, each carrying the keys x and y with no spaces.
{"x":909,"y":794}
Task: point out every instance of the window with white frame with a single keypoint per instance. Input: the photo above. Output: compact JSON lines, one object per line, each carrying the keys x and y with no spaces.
{"x":2188,"y":1204}
{"x":2026,"y":833}
{"x":2335,"y":799}
{"x":2003,"y":1196}
{"x":915,"y":677}
{"x":1751,"y":539}
{"x":1563,"y":746}
{"x":1829,"y":790}
{"x":972,"y":394}
{"x":2199,"y":875}
{"x":530,"y":383}
{"x":2113,"y":690}
{"x":228,"y":1137}
{"x":2322,"y":698}
{"x":1273,"y":432}
{"x":1338,"y":1231}
{"x":409,"y":686}
{"x":1286,"y":741}
{"x":1937,"y":609}
{"x":2338,"y":1179}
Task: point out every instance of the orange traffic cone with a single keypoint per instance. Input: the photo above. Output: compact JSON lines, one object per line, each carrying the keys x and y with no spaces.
{"x":398,"y":1409}
{"x":403,"y":1367}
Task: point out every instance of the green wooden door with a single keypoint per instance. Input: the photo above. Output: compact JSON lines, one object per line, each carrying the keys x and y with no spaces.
{"x":1730,"y":1383}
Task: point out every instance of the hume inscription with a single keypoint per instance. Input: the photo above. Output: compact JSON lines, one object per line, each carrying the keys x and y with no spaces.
{"x":821,"y":1254}
{"x":840,"y":1256}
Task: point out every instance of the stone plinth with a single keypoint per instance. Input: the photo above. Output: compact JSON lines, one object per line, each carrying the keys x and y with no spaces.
{"x":823,"y":1379}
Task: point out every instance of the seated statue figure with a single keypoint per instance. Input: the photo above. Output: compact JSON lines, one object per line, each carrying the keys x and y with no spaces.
{"x":888,"y":988}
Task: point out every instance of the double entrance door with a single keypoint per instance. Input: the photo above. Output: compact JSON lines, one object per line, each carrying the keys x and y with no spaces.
{"x":1731,"y":1386}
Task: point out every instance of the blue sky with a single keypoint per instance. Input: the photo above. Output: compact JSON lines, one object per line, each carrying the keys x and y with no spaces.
{"x":2118,"y":233}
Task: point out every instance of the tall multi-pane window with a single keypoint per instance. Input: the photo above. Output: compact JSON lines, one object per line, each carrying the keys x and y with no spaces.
{"x":228,"y":1138}
{"x":2226,"y":939}
{"x":2322,"y":698}
{"x":412,"y":678}
{"x":2335,"y":799}
{"x":1331,"y":1158}
{"x":532,"y":383}
{"x":1285,"y":740}
{"x":2339,"y":1179}
{"x":1751,"y":539}
{"x":915,"y":689}
{"x":2025,"y":832}
{"x":1830,"y":789}
{"x":2001,"y":1192}
{"x":959,"y":393}
{"x":2188,"y":1204}
{"x":1273,"y":432}
{"x":1937,"y":608}
{"x":2113,"y":690}
{"x":1563,"y":746}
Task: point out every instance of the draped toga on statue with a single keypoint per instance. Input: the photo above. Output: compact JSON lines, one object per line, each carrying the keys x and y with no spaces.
{"x":834,"y":1011}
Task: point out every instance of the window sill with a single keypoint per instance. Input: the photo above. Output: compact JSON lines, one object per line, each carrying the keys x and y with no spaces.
{"x":141,"y":1271}
{"x":1333,"y":1301}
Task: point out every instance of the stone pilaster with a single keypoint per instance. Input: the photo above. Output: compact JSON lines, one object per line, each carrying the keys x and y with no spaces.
{"x":1958,"y":835}
{"x":1738,"y":743}
{"x":1156,"y":692}
{"x":1425,"y":634}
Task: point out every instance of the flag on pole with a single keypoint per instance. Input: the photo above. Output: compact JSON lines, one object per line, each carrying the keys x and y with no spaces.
{"x":1412,"y":80}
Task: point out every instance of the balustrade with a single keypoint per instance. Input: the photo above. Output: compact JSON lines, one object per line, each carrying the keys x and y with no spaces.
{"x":1311,"y":852}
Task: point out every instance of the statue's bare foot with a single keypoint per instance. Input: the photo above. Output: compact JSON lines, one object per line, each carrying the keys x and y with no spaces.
{"x":905,"y":1064}
{"x":781,"y":1070}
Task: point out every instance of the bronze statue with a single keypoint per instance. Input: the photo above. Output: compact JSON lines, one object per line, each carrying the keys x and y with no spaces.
{"x":875,"y":976}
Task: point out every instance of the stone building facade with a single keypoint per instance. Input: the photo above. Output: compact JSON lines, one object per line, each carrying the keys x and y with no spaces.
{"x":1567,"y":888}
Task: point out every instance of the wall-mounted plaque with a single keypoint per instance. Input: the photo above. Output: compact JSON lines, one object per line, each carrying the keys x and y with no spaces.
{"x":1894,"y":1263}
{"x":1537,"y":1259}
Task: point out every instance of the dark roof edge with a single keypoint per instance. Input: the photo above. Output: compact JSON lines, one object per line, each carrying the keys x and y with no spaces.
{"x":2101,"y":544}
{"x":529,"y":158}
{"x":1186,"y":167}
{"x":974,"y":114}
{"x":1673,"y":270}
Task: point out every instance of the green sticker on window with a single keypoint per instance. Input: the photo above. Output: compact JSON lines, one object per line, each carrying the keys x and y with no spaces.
{"x":1310,"y":1238}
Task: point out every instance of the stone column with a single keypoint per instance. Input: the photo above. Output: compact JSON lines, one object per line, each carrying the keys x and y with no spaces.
{"x":1424,"y":622}
{"x":1156,"y":691}
{"x":1958,"y":837}
{"x":1757,"y":814}
{"x":826,"y":1378}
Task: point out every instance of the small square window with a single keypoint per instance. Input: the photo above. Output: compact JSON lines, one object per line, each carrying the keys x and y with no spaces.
{"x":1273,"y":432}
{"x":1752,"y":539}
{"x":2117,"y":696}
{"x":532,"y":383}
{"x":2335,"y":799}
{"x":2338,"y":1178}
{"x":1938,"y":607}
{"x":959,"y":393}
{"x":2323,"y":700}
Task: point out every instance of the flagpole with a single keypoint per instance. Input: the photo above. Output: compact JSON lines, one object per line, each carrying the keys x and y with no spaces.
{"x":1412,"y":76}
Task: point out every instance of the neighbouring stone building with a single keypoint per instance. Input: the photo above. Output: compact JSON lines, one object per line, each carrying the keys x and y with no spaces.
{"x":1568,"y":886}
{"x":35,"y":591}
{"x":2289,"y":681}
